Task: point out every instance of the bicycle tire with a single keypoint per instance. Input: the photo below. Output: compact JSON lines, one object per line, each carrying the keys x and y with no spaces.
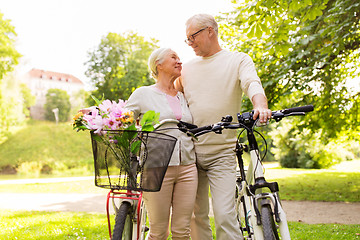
{"x":123,"y":223}
{"x":268,"y":224}
{"x":143,"y":222}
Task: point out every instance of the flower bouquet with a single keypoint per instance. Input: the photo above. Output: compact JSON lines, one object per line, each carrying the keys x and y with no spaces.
{"x":127,"y":154}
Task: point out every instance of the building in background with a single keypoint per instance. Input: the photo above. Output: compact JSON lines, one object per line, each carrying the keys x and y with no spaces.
{"x":40,"y":81}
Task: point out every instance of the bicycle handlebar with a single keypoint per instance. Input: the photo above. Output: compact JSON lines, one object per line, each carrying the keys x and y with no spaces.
{"x":245,"y":120}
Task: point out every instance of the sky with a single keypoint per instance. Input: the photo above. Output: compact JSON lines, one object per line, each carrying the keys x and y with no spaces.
{"x":55,"y":35}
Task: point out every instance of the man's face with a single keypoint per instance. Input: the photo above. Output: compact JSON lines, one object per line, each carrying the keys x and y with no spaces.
{"x":196,"y":38}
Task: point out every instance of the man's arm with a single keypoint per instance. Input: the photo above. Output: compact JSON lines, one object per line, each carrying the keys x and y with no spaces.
{"x":261,"y":109}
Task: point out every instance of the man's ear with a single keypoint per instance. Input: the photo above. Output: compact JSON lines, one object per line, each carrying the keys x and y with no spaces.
{"x":211,"y":31}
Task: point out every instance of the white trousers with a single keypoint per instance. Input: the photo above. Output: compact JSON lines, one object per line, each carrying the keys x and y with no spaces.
{"x":219,"y":172}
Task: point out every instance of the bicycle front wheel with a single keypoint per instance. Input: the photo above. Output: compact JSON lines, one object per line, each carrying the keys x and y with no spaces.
{"x":143,"y":223}
{"x":123,"y":223}
{"x":268,"y":223}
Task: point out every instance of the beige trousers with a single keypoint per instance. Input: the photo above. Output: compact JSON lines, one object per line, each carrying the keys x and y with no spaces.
{"x":219,"y":172}
{"x":178,"y":192}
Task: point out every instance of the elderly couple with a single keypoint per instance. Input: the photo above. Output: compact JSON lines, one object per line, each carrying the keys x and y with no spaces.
{"x":201,"y":92}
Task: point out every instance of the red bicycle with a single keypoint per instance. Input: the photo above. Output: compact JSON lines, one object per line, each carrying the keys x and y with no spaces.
{"x":128,"y":163}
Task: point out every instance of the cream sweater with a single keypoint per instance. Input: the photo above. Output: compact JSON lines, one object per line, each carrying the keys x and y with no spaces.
{"x":213,"y":87}
{"x":148,"y":98}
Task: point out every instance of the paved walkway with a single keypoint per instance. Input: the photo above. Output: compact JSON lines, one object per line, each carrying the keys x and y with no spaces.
{"x":302,"y":211}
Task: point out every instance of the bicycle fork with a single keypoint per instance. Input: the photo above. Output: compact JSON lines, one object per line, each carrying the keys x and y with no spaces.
{"x":134,"y":198}
{"x":253,"y":199}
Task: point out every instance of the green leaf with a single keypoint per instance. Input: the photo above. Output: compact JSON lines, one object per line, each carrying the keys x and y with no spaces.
{"x":149,"y":119}
{"x":147,"y":128}
{"x":97,"y":101}
{"x":135,"y":146}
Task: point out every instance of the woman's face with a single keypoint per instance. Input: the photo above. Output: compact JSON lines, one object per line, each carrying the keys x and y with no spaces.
{"x":171,"y":65}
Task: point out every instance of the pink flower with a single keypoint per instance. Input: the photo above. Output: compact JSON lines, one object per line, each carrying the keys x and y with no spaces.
{"x":94,"y":121}
{"x":106,"y":106}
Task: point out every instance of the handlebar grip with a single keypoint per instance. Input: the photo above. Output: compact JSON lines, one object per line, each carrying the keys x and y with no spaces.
{"x":200,"y":129}
{"x":307,"y":108}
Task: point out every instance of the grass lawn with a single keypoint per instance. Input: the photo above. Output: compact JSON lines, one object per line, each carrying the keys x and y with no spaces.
{"x":52,"y":225}
{"x":64,"y":225}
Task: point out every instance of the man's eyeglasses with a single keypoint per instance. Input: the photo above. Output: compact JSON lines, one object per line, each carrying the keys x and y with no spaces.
{"x":191,"y":38}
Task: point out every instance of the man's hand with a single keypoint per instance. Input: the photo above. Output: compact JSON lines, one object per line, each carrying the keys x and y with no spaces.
{"x":261,"y":109}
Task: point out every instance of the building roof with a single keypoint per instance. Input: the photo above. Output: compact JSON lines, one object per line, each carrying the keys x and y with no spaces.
{"x":38,"y":73}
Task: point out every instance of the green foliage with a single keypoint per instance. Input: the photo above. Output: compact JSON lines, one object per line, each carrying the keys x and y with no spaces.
{"x":307,"y":46}
{"x":78,"y":101}
{"x":10,"y":107}
{"x":28,"y":99}
{"x":306,"y":52}
{"x":119,"y":65}
{"x":148,"y":120}
{"x":301,"y":148}
{"x":8,"y":54}
{"x":47,"y":147}
{"x":57,"y":98}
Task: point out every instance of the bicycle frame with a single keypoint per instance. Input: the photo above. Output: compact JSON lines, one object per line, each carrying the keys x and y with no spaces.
{"x":134,"y":197}
{"x":251,"y":185}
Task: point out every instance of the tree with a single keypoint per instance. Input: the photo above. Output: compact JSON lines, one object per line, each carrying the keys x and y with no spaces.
{"x":311,"y":47}
{"x":8,"y":59}
{"x":28,"y":99}
{"x":11,"y":107}
{"x":119,"y":65}
{"x":57,"y":98}
{"x":305,"y":52}
{"x":8,"y":54}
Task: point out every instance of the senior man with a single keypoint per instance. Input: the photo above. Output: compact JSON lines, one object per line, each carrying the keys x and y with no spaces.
{"x":213,"y":84}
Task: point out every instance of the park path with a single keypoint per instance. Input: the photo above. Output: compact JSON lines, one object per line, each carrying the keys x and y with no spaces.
{"x":299,"y":211}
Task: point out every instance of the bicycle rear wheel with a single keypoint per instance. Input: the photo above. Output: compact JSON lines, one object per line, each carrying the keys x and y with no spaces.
{"x":123,"y":223}
{"x":268,"y":223}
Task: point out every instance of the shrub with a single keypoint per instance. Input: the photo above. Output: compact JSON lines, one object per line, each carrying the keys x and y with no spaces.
{"x":303,"y":149}
{"x":57,"y":98}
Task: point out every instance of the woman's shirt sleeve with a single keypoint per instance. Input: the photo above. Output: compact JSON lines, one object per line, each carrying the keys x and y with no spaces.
{"x":134,"y":103}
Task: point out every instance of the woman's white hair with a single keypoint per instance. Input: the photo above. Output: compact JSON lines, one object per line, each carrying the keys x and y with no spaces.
{"x":157,"y":57}
{"x":202,"y":20}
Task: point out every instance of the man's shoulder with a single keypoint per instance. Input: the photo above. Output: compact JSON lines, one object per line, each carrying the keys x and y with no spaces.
{"x":237,"y":54}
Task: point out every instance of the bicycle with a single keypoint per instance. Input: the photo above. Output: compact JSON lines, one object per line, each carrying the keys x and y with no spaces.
{"x":128,"y":163}
{"x":260,"y":214}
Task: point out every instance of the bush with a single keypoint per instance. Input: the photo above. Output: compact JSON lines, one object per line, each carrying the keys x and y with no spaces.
{"x":304,"y":149}
{"x":57,"y":98}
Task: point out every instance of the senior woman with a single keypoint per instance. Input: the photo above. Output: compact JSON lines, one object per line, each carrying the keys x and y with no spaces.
{"x":178,"y":190}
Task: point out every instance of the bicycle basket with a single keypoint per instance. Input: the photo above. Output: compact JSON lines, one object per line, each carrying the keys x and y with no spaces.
{"x":131,"y":160}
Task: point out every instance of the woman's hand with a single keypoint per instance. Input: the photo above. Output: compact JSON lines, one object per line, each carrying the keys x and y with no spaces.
{"x":85,"y":110}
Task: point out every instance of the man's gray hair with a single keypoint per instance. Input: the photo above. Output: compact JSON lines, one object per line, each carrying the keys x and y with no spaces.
{"x":157,"y":57}
{"x":203,"y":20}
